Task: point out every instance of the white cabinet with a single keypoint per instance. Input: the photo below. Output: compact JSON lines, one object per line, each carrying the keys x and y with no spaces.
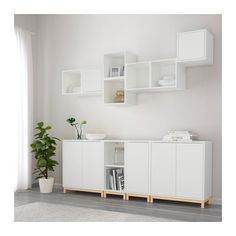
{"x":83,"y":81}
{"x":190,"y":171}
{"x":93,"y":165}
{"x":83,"y":165}
{"x":195,"y":47}
{"x":163,"y":169}
{"x":72,"y":164}
{"x":137,"y":167}
{"x":150,"y":169}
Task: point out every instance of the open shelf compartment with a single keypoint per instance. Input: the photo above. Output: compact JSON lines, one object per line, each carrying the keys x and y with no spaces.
{"x":110,"y":89}
{"x":164,"y":71}
{"x":138,"y":75}
{"x":71,"y":82}
{"x":114,"y":166}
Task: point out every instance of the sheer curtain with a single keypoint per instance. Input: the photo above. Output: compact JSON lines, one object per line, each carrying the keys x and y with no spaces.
{"x":25,"y":108}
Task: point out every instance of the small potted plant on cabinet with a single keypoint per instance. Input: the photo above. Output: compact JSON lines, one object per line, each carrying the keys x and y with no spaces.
{"x":44,"y":148}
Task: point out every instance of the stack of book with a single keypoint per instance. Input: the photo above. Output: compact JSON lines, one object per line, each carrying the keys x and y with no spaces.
{"x":116,"y":179}
{"x":179,"y":136}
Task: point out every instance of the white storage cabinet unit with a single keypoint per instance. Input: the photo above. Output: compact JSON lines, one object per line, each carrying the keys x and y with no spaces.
{"x":195,"y":48}
{"x":152,"y":169}
{"x":181,"y":172}
{"x":137,"y":169}
{"x":85,"y":81}
{"x":83,"y":166}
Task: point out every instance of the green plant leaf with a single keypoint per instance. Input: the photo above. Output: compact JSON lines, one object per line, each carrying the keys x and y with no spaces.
{"x":84,"y":122}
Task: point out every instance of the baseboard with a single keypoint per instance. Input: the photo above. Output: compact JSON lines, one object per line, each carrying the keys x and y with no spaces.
{"x":216,"y":201}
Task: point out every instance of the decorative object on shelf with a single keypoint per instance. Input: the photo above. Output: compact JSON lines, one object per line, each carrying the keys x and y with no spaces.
{"x":115,"y":71}
{"x":95,"y":136}
{"x":78,"y":126}
{"x":179,"y":136}
{"x":119,"y":96}
{"x":167,"y":80}
{"x":44,"y":148}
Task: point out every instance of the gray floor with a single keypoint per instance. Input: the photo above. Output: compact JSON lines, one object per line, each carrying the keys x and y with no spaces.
{"x":162,"y":209}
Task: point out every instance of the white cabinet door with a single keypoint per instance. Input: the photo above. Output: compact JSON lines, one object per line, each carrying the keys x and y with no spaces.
{"x":163,"y":169}
{"x":92,"y":80}
{"x":191,"y":45}
{"x":190,"y":166}
{"x":72,"y":164}
{"x":137,"y":167}
{"x":93,"y":165}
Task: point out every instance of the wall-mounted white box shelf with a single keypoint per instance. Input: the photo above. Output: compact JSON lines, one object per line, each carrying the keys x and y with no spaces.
{"x":195,"y":47}
{"x":84,"y":81}
{"x":138,"y":75}
{"x":159,"y":75}
{"x":113,"y":84}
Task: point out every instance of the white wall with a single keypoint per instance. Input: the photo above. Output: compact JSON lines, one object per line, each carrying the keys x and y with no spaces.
{"x":71,"y":41}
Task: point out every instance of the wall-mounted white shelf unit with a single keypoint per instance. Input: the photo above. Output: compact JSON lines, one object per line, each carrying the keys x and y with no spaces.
{"x":159,"y":75}
{"x":115,"y":83}
{"x":83,"y":81}
{"x":195,"y":48}
{"x":138,"y":75}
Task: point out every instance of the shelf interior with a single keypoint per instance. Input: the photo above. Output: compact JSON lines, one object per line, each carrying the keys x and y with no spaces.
{"x":138,"y":75}
{"x":71,"y":82}
{"x":161,"y":71}
{"x":114,"y":179}
{"x":114,"y":60}
{"x":110,"y":89}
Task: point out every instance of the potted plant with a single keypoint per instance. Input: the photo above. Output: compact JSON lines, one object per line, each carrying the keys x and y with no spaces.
{"x":78,"y":126}
{"x":44,"y":148}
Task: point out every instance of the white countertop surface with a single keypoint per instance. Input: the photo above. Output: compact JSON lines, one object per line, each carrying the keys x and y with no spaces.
{"x":133,"y":140}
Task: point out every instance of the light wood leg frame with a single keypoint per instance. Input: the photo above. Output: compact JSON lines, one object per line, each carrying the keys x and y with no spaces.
{"x":138,"y":195}
{"x":64,"y":190}
{"x":114,"y":193}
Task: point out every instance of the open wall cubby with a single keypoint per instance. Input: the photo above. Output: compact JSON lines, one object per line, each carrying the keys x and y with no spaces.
{"x":122,"y":73}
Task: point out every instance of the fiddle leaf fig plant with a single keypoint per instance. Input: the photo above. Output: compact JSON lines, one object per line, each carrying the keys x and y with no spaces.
{"x":78,"y":126}
{"x":44,"y":148}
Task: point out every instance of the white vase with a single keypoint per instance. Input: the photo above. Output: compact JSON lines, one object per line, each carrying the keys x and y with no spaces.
{"x":46,"y":185}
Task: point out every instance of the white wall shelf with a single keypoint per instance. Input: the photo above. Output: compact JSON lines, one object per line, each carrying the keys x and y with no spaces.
{"x":113,"y":84}
{"x":193,"y":48}
{"x":154,"y":76}
{"x":83,"y":81}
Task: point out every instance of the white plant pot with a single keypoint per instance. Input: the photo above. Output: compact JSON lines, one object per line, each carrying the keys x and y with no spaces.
{"x":46,"y":185}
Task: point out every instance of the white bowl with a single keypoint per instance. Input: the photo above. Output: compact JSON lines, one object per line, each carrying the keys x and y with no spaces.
{"x":95,"y":136}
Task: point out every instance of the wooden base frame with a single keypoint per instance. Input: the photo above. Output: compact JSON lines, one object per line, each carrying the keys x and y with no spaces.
{"x":202,"y":203}
{"x":137,"y":195}
{"x":84,"y":190}
{"x":105,"y":193}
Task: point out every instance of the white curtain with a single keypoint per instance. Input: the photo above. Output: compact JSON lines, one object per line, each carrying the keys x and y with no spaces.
{"x":25,"y":108}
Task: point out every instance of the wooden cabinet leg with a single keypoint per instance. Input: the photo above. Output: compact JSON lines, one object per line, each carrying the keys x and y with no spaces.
{"x":127,"y":197}
{"x":151,"y":199}
{"x":124,"y":197}
{"x":101,"y":194}
{"x":64,"y":190}
{"x":148,"y":199}
{"x":203,"y":205}
{"x":104,"y":195}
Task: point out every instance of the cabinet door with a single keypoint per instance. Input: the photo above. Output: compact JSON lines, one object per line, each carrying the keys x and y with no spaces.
{"x":191,"y":45}
{"x":190,"y":164}
{"x":92,"y":80}
{"x":163,"y":169}
{"x":72,"y":164}
{"x":137,"y":163}
{"x":93,"y":165}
